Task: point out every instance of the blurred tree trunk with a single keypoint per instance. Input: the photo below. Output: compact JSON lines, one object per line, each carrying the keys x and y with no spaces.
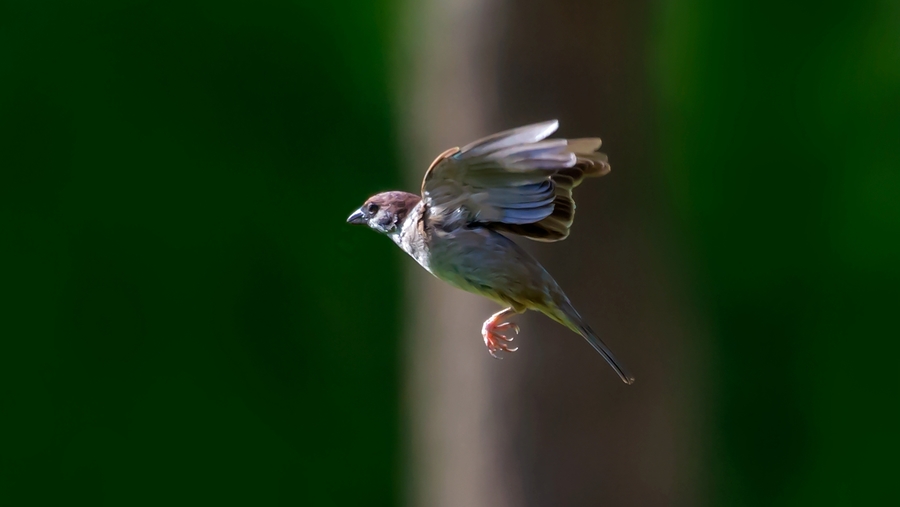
{"x":445,"y":98}
{"x":577,"y":436}
{"x":552,"y":425}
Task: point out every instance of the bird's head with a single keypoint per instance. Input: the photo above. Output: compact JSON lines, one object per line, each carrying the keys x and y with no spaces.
{"x":385,"y":212}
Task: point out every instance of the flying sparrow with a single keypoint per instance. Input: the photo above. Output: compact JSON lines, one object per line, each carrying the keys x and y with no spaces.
{"x":514,"y":182}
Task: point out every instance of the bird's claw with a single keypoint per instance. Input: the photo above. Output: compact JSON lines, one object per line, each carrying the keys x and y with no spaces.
{"x":496,"y":341}
{"x":507,"y":325}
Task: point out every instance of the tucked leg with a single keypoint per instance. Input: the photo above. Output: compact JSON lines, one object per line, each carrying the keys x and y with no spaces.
{"x":494,"y":339}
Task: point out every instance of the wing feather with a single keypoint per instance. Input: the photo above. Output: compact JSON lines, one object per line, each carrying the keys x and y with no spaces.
{"x":522,"y":135}
{"x":515,"y":181}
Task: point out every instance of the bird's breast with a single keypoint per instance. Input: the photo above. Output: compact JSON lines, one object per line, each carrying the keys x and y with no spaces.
{"x":413,"y":237}
{"x":477,"y":260}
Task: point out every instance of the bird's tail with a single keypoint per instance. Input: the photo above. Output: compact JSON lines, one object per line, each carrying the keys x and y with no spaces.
{"x":566,"y":315}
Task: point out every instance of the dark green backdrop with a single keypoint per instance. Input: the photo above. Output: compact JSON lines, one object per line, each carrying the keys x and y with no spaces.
{"x":781,"y":141}
{"x":187,"y":318}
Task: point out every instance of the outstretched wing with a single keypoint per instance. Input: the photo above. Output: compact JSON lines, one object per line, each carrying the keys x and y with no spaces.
{"x":514,"y":181}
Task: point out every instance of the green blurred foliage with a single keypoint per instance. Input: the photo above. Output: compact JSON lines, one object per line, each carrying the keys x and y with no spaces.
{"x":781,"y":133}
{"x":187,"y":318}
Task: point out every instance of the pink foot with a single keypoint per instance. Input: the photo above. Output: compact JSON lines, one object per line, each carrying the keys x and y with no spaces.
{"x":493,"y":338}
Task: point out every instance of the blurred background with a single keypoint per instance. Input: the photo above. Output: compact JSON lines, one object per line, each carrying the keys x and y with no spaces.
{"x":187,"y":319}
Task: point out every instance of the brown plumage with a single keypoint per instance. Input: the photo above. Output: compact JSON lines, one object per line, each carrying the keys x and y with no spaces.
{"x":556,"y":226}
{"x":512,"y":182}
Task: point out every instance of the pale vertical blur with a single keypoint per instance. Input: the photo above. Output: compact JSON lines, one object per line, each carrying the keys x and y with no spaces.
{"x":444,"y":83}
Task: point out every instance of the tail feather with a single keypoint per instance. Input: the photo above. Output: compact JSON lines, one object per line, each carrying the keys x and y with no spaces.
{"x":568,"y":317}
{"x":595,"y":341}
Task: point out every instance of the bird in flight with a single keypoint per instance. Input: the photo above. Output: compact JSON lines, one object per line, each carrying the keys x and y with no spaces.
{"x":513,"y":182}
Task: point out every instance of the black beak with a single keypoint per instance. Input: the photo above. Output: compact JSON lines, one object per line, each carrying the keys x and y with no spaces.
{"x":358,"y":217}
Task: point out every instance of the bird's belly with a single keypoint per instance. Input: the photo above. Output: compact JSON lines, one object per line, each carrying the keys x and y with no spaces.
{"x":482,"y":262}
{"x":458,"y":275}
{"x":462,"y":278}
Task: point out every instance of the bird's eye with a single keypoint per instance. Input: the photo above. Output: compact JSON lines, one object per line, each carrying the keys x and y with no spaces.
{"x":372,"y":208}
